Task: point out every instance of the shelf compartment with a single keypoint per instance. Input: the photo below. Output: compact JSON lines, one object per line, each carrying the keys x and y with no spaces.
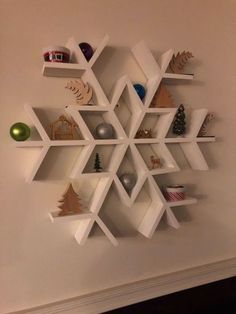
{"x":160,"y":151}
{"x":128,"y":109}
{"x":100,"y":190}
{"x":110,"y":155}
{"x":83,"y":230}
{"x":171,"y":219}
{"x":35,"y":159}
{"x":154,"y":211}
{"x":78,"y":56}
{"x":151,"y":219}
{"x":106,"y":231}
{"x":196,"y":120}
{"x":158,"y":121}
{"x":93,"y":118}
{"x":43,"y":120}
{"x":99,"y":98}
{"x":40,"y":130}
{"x":194,"y":156}
{"x":132,"y":163}
{"x":154,"y":70}
{"x":99,"y":50}
{"x":56,"y":163}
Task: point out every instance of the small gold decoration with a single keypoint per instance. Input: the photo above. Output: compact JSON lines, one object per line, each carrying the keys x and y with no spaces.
{"x":83,"y":92}
{"x":144,"y":133}
{"x":162,"y":98}
{"x":63,"y":129}
{"x":178,"y":61}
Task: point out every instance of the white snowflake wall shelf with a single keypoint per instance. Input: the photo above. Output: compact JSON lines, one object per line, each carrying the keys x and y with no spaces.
{"x":125,"y":151}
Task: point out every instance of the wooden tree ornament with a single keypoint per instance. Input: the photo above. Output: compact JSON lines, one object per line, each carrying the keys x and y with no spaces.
{"x":83,"y":92}
{"x":178,"y":62}
{"x":70,"y":203}
{"x":162,"y":98}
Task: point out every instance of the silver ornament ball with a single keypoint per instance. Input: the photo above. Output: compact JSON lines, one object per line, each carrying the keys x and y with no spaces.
{"x":128,"y":181}
{"x":105,"y":131}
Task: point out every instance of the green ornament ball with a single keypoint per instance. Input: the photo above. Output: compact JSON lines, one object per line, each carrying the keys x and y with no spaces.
{"x":20,"y":131}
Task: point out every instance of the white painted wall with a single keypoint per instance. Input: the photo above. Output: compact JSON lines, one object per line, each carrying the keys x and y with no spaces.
{"x":40,"y":262}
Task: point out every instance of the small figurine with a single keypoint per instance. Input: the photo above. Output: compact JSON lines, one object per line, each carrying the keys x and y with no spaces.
{"x":97,"y":163}
{"x":203,"y":131}
{"x":63,"y":129}
{"x":144,"y":133}
{"x":83,"y":91}
{"x":156,"y":162}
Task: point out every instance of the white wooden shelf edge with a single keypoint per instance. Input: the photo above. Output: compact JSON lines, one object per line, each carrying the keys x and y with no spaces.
{"x":54,"y":216}
{"x":178,"y":76}
{"x":186,"y":201}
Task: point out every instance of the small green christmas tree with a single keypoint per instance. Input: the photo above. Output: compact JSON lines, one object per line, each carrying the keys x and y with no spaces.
{"x":97,"y":163}
{"x":179,"y":121}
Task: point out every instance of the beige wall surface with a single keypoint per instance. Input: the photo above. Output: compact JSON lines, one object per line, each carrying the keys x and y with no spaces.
{"x":41,"y":262}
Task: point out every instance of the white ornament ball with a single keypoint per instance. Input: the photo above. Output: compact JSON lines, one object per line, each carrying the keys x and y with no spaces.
{"x":105,"y":131}
{"x":128,"y":181}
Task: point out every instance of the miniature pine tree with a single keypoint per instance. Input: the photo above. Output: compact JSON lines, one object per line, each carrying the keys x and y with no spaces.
{"x":97,"y":163}
{"x":70,"y":203}
{"x":179,"y":121}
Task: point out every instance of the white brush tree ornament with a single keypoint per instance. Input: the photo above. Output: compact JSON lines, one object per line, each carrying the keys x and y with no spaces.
{"x":127,"y":149}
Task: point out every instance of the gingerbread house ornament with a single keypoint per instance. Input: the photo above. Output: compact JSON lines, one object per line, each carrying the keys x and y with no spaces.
{"x":63,"y":129}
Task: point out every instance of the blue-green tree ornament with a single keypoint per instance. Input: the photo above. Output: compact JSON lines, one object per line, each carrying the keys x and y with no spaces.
{"x":20,"y":131}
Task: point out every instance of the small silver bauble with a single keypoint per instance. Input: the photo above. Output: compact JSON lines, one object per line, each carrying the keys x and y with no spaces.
{"x":105,"y":131}
{"x":128,"y":181}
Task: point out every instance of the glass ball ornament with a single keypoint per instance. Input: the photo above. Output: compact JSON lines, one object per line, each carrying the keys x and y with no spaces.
{"x":141,"y":91}
{"x":20,"y":131}
{"x":87,"y":50}
{"x":128,"y":181}
{"x":105,"y":131}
